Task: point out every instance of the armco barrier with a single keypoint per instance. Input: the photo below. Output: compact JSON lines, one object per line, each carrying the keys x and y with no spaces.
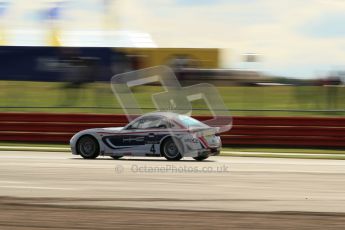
{"x":246,"y":131}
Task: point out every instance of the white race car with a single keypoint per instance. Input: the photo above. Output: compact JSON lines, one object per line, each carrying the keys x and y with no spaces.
{"x":154,"y":134}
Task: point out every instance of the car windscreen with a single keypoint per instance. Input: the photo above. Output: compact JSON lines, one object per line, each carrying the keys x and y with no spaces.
{"x":191,"y":122}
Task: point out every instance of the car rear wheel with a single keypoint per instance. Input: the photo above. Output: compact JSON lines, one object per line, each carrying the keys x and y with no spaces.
{"x":88,"y":147}
{"x":200,"y":158}
{"x":170,"y":150}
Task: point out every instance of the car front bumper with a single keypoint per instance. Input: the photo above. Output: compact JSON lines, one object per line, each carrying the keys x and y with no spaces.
{"x":209,"y":152}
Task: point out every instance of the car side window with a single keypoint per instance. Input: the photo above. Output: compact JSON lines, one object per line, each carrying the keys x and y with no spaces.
{"x":139,"y":124}
{"x":165,"y":124}
{"x":146,"y":123}
{"x":152,"y":123}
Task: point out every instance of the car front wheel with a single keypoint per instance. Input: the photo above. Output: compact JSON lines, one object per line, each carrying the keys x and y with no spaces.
{"x":88,"y":147}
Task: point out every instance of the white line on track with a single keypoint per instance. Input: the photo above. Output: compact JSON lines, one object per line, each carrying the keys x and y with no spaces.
{"x":34,"y":187}
{"x":11,"y":182}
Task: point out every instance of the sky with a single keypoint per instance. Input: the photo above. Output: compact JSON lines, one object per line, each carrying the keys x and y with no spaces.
{"x":293,"y":38}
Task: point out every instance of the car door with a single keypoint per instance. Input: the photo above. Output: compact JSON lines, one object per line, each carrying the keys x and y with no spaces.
{"x":140,"y":136}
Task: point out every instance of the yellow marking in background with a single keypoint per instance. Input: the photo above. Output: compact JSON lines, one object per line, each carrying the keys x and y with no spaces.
{"x":54,"y":38}
{"x":2,"y":37}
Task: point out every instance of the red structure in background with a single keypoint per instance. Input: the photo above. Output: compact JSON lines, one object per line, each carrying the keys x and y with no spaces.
{"x":246,"y":131}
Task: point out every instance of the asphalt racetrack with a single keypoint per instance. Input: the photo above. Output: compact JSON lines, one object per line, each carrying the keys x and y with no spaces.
{"x":40,"y":190}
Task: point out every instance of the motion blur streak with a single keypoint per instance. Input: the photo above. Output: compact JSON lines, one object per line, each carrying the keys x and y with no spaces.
{"x":269,"y":61}
{"x":248,"y":184}
{"x":47,"y":189}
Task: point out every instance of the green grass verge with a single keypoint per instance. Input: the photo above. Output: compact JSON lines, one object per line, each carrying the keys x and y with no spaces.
{"x":45,"y":94}
{"x":22,"y":146}
{"x":286,"y":150}
{"x":299,"y":156}
{"x":298,"y":153}
{"x":31,"y":144}
{"x":234,"y":151}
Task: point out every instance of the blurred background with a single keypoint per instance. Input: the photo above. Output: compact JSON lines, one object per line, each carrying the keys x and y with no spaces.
{"x":266,"y":57}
